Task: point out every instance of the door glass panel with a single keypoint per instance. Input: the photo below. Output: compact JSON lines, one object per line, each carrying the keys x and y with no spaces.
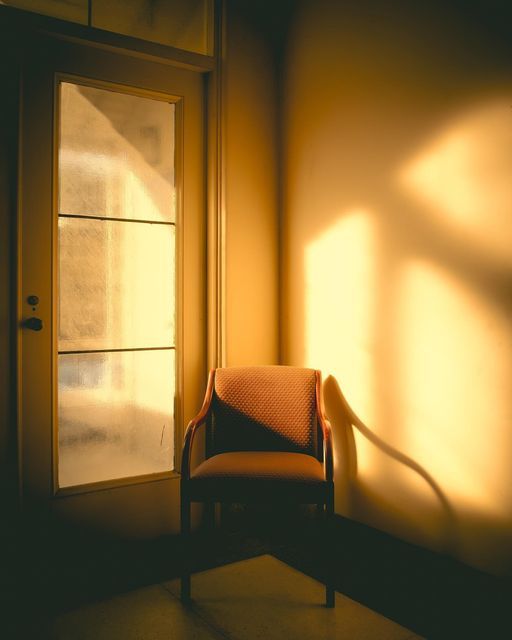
{"x":116,"y":155}
{"x":115,"y":415}
{"x":116,"y":285}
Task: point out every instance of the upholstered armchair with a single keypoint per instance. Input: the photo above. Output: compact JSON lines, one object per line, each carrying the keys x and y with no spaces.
{"x":267,"y":440}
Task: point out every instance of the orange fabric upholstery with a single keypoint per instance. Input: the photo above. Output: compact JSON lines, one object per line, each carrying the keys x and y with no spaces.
{"x":265,"y":409}
{"x":259,"y":476}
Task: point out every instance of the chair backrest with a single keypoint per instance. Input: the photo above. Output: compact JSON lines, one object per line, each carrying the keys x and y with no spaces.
{"x":270,"y":408}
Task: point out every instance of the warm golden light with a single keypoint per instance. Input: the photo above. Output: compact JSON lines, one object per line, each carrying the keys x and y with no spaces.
{"x":116,"y":161}
{"x":456,"y":336}
{"x":419,"y":342}
{"x":116,"y":333}
{"x":465,"y":177}
{"x":341,"y":312}
{"x":340,"y":285}
{"x":405,"y":302}
{"x":455,"y":386}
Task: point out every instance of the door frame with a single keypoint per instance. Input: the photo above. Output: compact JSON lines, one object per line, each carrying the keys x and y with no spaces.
{"x":177,"y":101}
{"x":211,"y":70}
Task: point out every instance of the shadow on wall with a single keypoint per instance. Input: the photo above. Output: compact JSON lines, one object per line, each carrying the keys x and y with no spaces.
{"x":343,"y":420}
{"x":396,"y":227}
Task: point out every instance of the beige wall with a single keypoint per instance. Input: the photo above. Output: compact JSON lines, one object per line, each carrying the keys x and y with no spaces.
{"x":251,"y":231}
{"x":397,"y":227}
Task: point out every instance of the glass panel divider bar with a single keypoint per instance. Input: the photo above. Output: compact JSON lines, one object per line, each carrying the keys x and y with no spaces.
{"x":83,"y":216}
{"x":79,"y":351}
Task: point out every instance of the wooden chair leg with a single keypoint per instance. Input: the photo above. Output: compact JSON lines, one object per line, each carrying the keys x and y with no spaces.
{"x":330,"y":592}
{"x":329,"y":596}
{"x":185,"y":536}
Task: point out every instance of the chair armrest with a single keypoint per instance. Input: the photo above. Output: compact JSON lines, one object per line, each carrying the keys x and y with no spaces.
{"x":194,"y":424}
{"x":325,"y":425}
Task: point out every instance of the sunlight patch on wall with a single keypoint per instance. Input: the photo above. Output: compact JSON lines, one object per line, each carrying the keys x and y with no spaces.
{"x":340,"y":309}
{"x":455,"y":375}
{"x":464,"y":175}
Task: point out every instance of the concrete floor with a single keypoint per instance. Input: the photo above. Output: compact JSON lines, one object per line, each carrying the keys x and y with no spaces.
{"x":252,"y":599}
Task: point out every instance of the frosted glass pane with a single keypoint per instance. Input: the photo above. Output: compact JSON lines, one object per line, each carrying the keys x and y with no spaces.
{"x":115,"y":415}
{"x":72,"y":10}
{"x":116,"y":284}
{"x":116,"y":155}
{"x":184,"y":24}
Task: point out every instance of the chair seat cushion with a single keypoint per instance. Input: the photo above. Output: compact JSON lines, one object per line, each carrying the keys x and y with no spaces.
{"x":247,"y":476}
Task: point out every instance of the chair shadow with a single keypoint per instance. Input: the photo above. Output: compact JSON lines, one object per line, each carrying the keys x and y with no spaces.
{"x":343,"y":420}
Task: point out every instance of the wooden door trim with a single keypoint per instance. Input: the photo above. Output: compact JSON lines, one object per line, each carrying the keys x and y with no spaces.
{"x":33,"y":23}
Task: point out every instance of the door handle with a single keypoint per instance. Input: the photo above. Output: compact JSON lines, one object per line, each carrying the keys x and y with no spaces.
{"x":34,"y":324}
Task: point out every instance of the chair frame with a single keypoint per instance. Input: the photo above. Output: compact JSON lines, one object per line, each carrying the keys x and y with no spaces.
{"x":204,"y":418}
